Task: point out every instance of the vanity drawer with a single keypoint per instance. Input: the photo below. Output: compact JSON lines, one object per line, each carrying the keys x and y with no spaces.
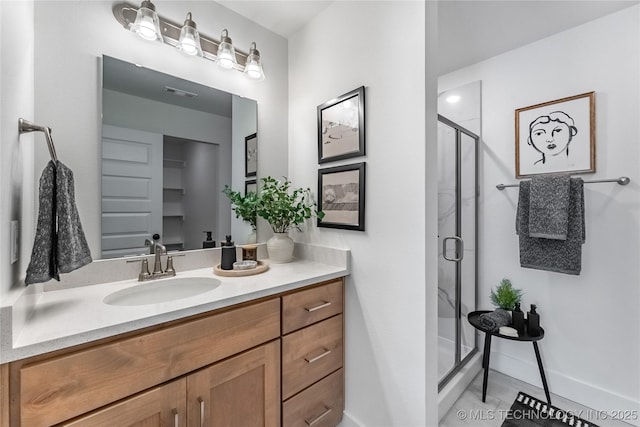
{"x":306,"y":307}
{"x":311,"y":354}
{"x":63,"y":387}
{"x":321,"y":405}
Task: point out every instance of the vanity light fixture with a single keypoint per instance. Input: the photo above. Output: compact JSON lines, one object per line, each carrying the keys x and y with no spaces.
{"x":186,"y":38}
{"x":147,"y":24}
{"x":189,"y":41}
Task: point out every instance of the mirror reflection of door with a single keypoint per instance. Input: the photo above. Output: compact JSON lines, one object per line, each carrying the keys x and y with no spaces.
{"x":131,"y":190}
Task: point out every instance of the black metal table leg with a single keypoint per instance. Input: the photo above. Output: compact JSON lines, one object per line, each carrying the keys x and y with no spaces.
{"x":541,"y":368}
{"x":485,"y":363}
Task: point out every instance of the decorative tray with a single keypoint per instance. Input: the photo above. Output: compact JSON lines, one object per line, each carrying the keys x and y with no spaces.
{"x":260,"y":268}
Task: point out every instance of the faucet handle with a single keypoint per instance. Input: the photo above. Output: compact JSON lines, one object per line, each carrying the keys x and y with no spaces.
{"x":144,"y":268}
{"x":170,"y":270}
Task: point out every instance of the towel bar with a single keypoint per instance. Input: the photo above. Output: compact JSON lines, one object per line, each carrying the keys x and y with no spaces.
{"x":25,"y":126}
{"x":623,"y":180}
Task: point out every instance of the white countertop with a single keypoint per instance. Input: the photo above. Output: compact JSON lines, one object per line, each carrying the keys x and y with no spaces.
{"x":64,"y":318}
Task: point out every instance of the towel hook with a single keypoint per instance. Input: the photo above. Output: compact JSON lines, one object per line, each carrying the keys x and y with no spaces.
{"x":25,"y":126}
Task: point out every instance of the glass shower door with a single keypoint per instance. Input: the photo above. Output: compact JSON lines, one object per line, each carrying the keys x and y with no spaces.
{"x":457,"y":229}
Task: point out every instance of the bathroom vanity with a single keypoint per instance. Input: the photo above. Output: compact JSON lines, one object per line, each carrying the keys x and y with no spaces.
{"x":268,"y":351}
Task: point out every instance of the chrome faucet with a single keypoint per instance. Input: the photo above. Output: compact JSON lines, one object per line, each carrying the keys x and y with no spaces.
{"x":157,"y":249}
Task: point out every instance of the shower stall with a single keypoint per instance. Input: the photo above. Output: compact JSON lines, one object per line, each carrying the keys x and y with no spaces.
{"x":458,"y":237}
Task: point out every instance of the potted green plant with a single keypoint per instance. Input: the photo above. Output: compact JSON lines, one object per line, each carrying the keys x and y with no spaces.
{"x":505,"y":296}
{"x":284,"y":208}
{"x":245,"y":208}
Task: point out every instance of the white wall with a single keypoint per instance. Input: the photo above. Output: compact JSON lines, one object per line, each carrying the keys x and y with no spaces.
{"x":68,"y":80}
{"x":591,"y":347}
{"x":16,"y":152}
{"x":379,"y":45}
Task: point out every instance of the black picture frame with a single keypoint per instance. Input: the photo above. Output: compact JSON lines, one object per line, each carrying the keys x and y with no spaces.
{"x":341,"y":196}
{"x":341,"y":127}
{"x":250,"y":185}
{"x":251,"y":155}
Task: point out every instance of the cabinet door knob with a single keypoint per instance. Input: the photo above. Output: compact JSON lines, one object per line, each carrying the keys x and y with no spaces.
{"x":326,"y":352}
{"x":313,"y":421}
{"x":323,"y":304}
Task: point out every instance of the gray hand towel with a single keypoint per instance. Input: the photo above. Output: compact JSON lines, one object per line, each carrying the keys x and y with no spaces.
{"x":43,"y":265}
{"x":562,"y":256}
{"x":73,"y":250}
{"x":549,"y":207}
{"x":495,"y":319}
{"x":59,"y":244}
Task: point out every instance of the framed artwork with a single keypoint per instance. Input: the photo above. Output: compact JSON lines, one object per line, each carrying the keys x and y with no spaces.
{"x":557,"y":137}
{"x":251,"y":155}
{"x":341,"y":196}
{"x":341,"y":127}
{"x":250,"y":186}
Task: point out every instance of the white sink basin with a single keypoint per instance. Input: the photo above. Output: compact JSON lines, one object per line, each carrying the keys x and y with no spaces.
{"x":163,"y":290}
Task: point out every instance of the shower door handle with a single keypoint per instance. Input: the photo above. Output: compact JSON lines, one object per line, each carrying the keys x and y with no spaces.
{"x":457,"y":239}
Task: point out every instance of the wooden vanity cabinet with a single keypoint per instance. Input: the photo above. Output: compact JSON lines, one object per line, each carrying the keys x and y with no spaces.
{"x":240,"y":391}
{"x":276,"y":361}
{"x":313,"y":356}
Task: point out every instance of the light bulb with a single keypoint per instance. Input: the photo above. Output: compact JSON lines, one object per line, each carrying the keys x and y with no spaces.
{"x":253,"y":66}
{"x":147,"y":24}
{"x":226,"y":52}
{"x":189,"y":41}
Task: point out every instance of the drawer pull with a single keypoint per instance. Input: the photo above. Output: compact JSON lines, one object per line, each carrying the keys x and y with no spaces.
{"x":201,"y":401}
{"x":318,"y":307}
{"x":326,"y":412}
{"x":318,"y":357}
{"x":176,"y":419}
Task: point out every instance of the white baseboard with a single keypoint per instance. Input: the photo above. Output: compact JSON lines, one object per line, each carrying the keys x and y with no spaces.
{"x":349,"y":421}
{"x":567,"y":387}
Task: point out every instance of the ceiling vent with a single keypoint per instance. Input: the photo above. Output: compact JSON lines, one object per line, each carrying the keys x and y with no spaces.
{"x":179,"y":92}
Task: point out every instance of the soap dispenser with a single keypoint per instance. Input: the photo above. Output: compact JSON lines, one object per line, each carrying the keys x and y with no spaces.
{"x":208,"y":242}
{"x":533,"y":322}
{"x":517,"y":317}
{"x":228,"y":254}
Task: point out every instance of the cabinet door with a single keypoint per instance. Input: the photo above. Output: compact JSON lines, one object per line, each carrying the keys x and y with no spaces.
{"x":163,"y":406}
{"x":242,"y":391}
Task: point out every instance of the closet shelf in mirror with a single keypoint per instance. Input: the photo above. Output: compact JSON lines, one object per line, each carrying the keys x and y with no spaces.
{"x":178,"y":189}
{"x":173,"y":163}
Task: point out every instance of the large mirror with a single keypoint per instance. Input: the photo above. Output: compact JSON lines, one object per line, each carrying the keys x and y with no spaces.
{"x":169,"y":146}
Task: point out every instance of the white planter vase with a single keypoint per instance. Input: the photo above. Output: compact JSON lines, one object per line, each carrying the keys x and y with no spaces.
{"x":252,"y":237}
{"x":280,"y":248}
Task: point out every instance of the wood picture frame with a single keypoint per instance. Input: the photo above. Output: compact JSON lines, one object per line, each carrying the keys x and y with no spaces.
{"x":251,"y":155}
{"x":341,"y":196}
{"x":556,"y":137}
{"x":341,"y":127}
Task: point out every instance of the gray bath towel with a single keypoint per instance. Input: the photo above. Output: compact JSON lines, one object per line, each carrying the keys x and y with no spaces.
{"x":495,"y":319}
{"x":59,"y":244}
{"x":549,"y":207}
{"x":562,"y":256}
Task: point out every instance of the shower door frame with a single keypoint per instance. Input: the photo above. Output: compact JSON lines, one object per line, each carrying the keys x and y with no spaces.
{"x":459,"y":362}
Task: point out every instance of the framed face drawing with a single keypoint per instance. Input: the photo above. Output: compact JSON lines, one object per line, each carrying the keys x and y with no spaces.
{"x":341,"y":127}
{"x":341,"y":197}
{"x":557,"y":137}
{"x":251,"y":155}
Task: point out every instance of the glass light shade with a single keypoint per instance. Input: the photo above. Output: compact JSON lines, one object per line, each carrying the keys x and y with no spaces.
{"x":253,"y":66}
{"x":147,"y":24}
{"x":189,"y":42}
{"x":226,"y":53}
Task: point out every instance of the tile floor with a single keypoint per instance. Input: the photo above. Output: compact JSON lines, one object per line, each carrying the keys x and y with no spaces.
{"x":501,"y":392}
